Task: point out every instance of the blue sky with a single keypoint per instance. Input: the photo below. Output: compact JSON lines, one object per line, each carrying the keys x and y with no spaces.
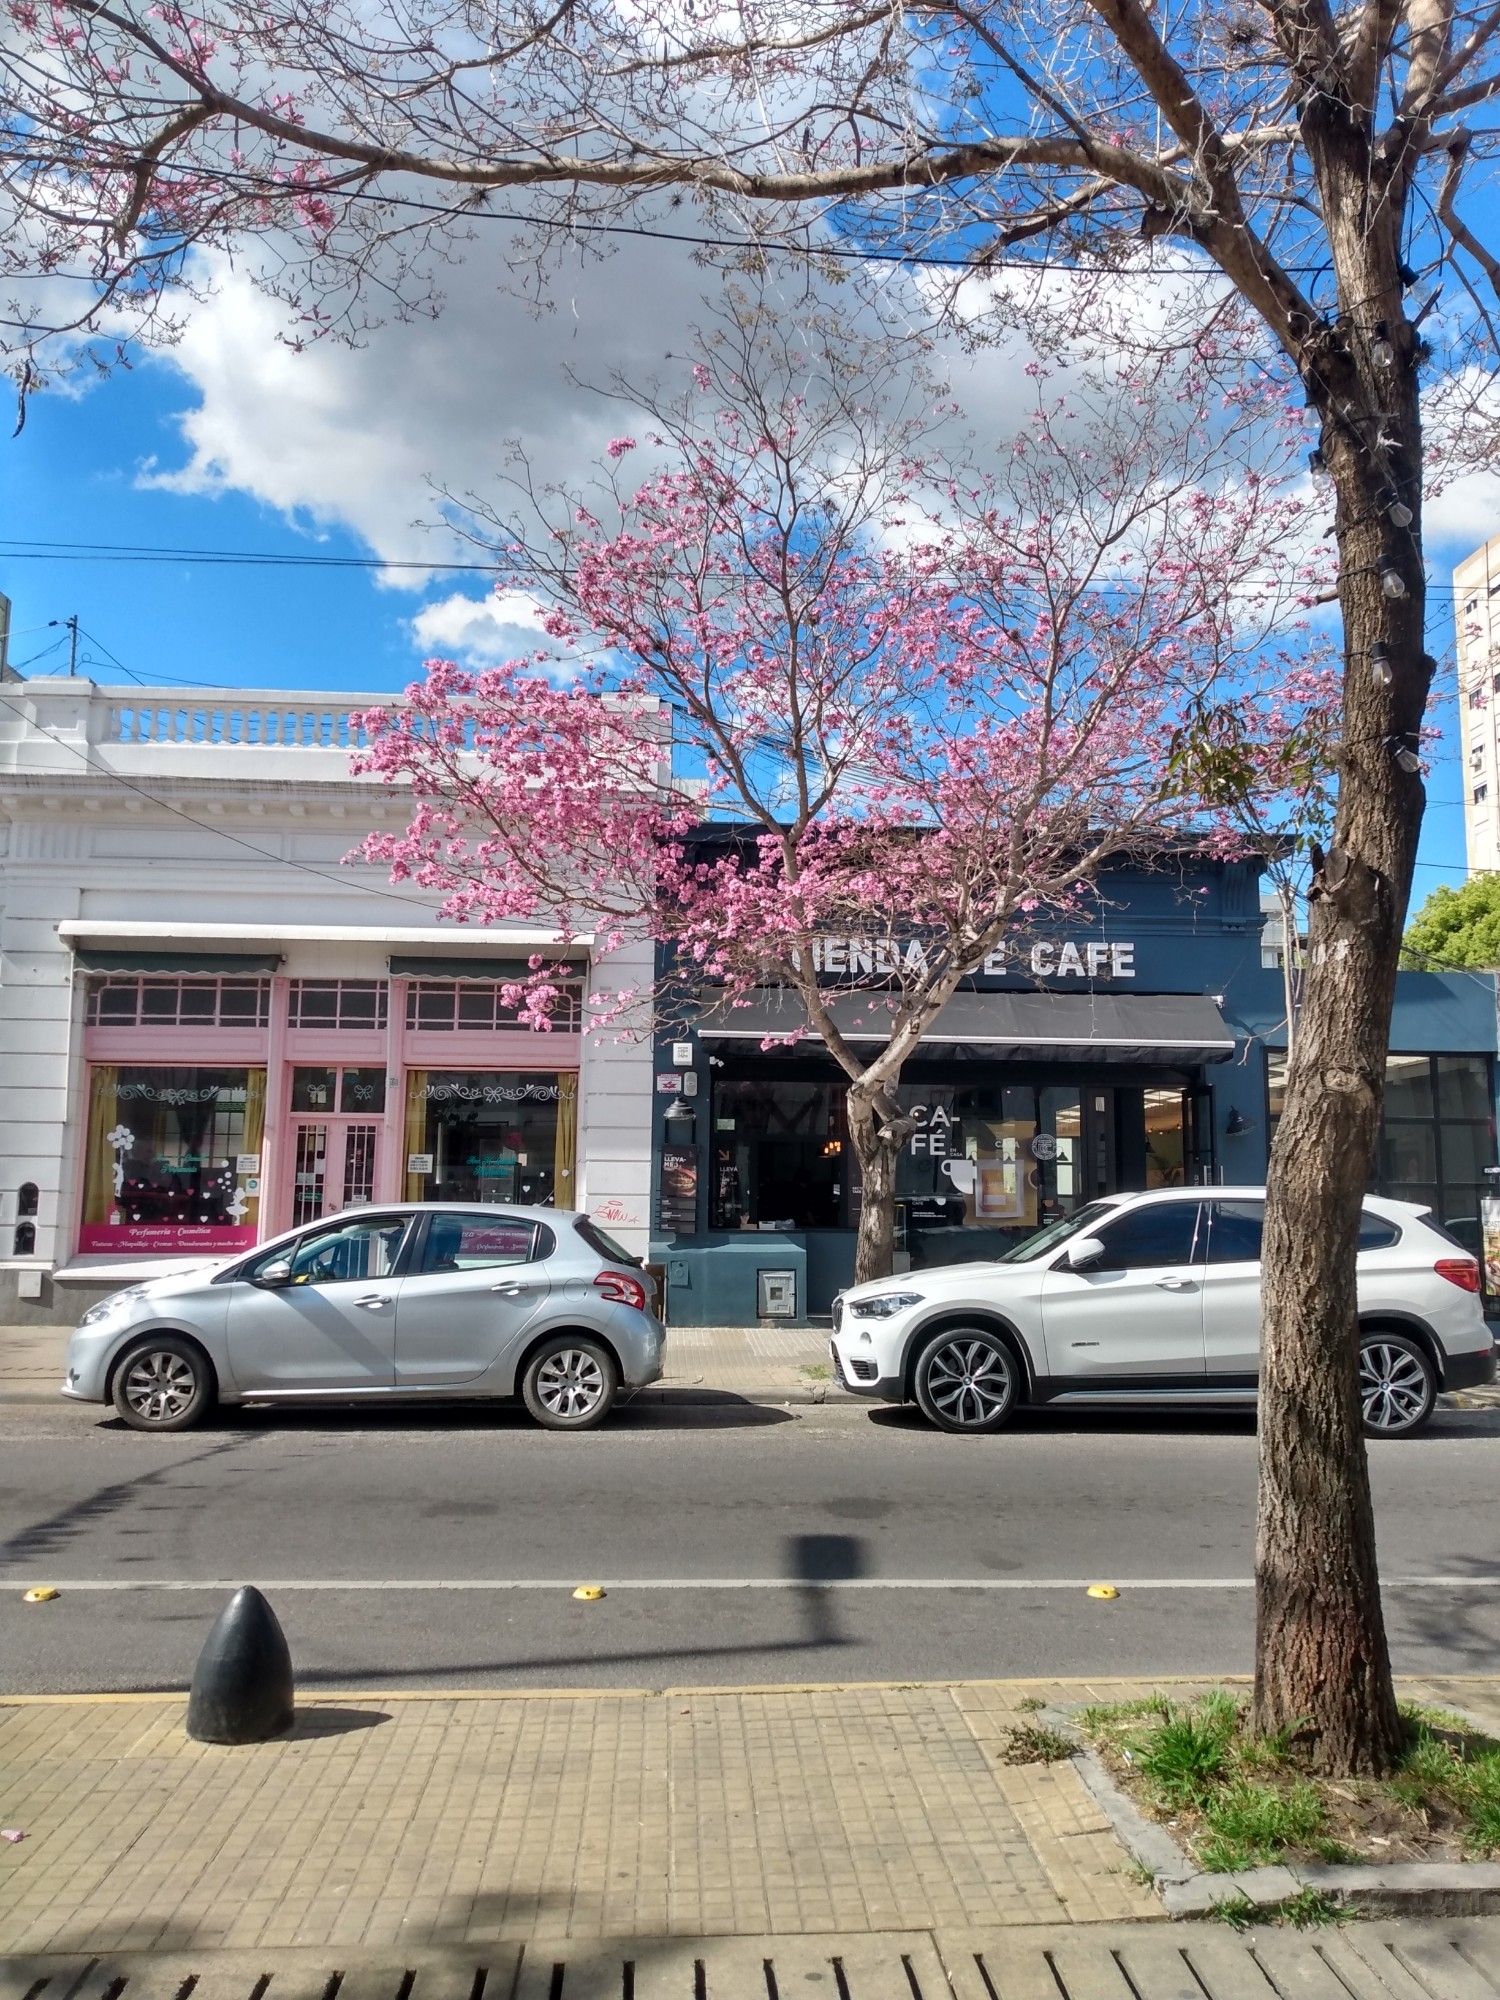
{"x":234,"y":443}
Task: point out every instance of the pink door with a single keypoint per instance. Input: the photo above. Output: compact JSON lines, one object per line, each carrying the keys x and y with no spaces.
{"x":333,"y":1165}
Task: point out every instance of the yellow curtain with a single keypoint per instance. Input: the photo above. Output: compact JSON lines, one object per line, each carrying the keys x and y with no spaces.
{"x":416,"y":1126}
{"x":565,"y":1158}
{"x":254,"y":1139}
{"x":99,"y":1159}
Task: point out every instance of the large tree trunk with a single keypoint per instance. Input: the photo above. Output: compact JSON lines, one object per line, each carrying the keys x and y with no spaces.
{"x":1322,"y":1667}
{"x":877,"y":1134}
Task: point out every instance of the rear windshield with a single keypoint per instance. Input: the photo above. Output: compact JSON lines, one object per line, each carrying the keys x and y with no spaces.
{"x":604,"y":1246}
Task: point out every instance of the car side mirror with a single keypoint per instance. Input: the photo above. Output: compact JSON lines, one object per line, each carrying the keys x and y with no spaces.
{"x":1083,"y":1251}
{"x":273,"y":1276}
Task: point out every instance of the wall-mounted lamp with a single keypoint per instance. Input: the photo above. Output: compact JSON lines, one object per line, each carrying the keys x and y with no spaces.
{"x":1237,"y":1124}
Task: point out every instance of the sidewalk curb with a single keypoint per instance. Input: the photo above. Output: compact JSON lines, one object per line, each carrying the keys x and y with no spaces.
{"x":1385,"y":1889}
{"x":695,"y":1395}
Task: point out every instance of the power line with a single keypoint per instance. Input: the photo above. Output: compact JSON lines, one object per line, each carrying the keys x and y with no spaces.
{"x":207,"y":826}
{"x":146,"y":552}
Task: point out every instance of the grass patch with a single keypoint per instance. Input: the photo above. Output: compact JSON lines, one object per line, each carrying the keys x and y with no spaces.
{"x":817,"y":1371}
{"x":1240,"y":1801}
{"x":1309,"y":1909}
{"x":1029,"y":1704}
{"x":1033,"y":1743}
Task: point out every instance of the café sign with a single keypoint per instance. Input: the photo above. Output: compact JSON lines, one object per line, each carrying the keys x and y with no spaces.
{"x":1041,"y":958}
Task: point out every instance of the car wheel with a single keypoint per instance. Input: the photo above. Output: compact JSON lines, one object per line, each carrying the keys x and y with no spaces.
{"x":163,"y":1384}
{"x":570,"y":1384}
{"x":966,"y":1380}
{"x":1397,"y":1385}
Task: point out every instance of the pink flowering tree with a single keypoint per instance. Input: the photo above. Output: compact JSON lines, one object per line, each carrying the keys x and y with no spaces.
{"x":840,"y":683}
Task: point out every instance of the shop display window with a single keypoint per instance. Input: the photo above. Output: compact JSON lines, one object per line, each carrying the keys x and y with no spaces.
{"x":1437,"y":1140}
{"x":172,"y":1158}
{"x":491,"y":1135}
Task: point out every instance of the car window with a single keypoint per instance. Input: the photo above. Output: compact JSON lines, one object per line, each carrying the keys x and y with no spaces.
{"x":476,"y":1242}
{"x":1160,"y":1233}
{"x":1235,"y":1229}
{"x":1077,"y":1224}
{"x":602,"y":1244}
{"x":1376,"y":1232}
{"x":364,"y":1249}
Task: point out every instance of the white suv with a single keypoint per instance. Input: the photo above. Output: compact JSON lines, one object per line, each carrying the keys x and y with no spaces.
{"x":1155,"y":1299}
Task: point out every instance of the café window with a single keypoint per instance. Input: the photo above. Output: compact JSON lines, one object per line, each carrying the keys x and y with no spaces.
{"x":337,"y":1003}
{"x":1437,"y":1135}
{"x":780,"y":1155}
{"x":117,"y":1002}
{"x":987,"y":1165}
{"x":172,"y":1158}
{"x":478,"y":1006}
{"x":491,"y":1135}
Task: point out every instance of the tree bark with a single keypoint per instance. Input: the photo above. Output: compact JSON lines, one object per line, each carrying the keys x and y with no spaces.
{"x":1322,"y":1667}
{"x":877,"y":1133}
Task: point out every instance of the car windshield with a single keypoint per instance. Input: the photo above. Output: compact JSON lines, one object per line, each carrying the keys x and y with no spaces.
{"x":1058,"y":1232}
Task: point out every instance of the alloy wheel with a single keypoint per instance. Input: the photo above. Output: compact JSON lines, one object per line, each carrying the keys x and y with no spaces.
{"x":1394,"y":1390}
{"x":970,"y":1382}
{"x":570,"y":1383}
{"x":159,"y":1385}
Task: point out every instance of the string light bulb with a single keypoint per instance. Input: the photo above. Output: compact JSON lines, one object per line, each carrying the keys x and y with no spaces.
{"x":1382,"y":352}
{"x":1396,"y":510}
{"x":1380,"y":664}
{"x":1403,"y":749}
{"x":1392,"y":582}
{"x":1317,"y":464}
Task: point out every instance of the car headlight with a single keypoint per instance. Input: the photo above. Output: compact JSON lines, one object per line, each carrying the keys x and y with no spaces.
{"x":116,"y":1302}
{"x":884,"y":1304}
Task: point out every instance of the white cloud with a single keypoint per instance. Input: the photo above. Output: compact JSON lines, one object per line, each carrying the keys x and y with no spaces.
{"x":481,"y":631}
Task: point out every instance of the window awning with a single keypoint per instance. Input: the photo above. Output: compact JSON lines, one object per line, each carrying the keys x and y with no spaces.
{"x":202,"y":963}
{"x":432,"y":967}
{"x":1179,"y":1030}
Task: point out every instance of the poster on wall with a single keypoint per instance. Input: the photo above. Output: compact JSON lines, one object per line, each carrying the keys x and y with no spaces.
{"x":678,"y":1207}
{"x":1489,"y":1218}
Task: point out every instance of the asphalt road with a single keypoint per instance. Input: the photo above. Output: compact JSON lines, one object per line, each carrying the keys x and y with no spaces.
{"x":736,"y":1545}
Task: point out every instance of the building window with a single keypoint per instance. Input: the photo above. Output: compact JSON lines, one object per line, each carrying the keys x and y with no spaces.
{"x":337,"y":1003}
{"x":477,"y":1006}
{"x":1437,"y":1135}
{"x":172,"y":1158}
{"x":1481,"y":793}
{"x":154,"y":1002}
{"x":491,"y":1135}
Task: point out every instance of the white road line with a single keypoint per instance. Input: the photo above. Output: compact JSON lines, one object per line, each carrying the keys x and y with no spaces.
{"x":660,"y":1583}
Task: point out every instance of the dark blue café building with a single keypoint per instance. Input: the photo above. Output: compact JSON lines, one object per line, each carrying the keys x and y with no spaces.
{"x":1139,"y":1045}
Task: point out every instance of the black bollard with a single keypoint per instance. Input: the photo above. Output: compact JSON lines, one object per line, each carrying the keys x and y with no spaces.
{"x":242,"y":1684}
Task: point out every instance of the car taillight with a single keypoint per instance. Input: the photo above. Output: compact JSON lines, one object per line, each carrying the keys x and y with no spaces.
{"x":622,"y":1288}
{"x":1460,"y":1271}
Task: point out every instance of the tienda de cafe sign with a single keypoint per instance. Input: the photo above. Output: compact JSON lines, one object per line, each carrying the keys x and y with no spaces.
{"x":1043,"y":958}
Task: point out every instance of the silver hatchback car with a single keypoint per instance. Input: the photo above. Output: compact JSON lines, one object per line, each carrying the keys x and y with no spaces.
{"x":397,"y":1301}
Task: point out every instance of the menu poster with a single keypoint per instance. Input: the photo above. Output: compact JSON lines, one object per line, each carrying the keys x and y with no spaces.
{"x":678,"y":1207}
{"x":1489,"y":1213}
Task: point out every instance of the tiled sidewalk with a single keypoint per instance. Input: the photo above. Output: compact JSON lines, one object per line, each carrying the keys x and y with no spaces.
{"x":430,"y":1821}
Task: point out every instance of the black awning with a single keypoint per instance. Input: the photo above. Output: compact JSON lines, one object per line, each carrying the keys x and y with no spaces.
{"x":203,"y":963}
{"x":1179,"y":1030}
{"x":435,"y":967}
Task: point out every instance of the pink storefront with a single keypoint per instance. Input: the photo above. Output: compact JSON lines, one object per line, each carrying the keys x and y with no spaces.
{"x":227,"y":1101}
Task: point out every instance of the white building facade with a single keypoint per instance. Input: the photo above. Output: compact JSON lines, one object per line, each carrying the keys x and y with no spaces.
{"x":213,"y":1028}
{"x":1476,"y":610}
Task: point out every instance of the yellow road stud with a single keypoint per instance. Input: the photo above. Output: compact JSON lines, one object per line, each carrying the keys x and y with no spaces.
{"x":43,"y":1594}
{"x":1103,"y":1590}
{"x":589,"y":1593}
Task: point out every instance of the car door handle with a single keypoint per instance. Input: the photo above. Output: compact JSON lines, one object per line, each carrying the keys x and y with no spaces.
{"x":512,"y":1288}
{"x":374,"y":1299}
{"x":1175,"y":1284}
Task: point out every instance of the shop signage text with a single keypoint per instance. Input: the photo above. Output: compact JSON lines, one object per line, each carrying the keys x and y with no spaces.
{"x":1045,"y":958}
